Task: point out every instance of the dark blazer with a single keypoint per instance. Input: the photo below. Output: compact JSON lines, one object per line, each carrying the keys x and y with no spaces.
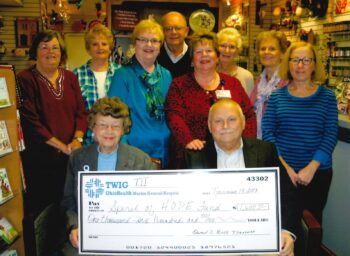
{"x":257,"y":153}
{"x":85,"y":159}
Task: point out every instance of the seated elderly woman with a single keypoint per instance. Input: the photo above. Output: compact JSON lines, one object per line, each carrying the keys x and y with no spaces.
{"x":109,"y":119}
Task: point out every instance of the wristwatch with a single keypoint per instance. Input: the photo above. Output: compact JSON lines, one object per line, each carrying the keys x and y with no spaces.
{"x":79,"y":139}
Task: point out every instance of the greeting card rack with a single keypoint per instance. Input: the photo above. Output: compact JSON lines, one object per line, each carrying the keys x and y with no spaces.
{"x":12,"y":209}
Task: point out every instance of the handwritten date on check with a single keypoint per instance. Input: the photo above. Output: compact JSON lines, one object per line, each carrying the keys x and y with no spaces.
{"x":180,"y":213}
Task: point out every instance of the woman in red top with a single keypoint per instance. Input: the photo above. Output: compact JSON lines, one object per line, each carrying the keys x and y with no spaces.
{"x":53,"y":118}
{"x":191,"y":95}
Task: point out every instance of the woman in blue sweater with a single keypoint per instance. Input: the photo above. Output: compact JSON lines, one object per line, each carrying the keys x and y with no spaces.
{"x":143,"y":85}
{"x":302,"y":120}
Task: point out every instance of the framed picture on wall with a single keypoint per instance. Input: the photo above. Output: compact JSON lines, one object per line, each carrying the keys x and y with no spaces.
{"x":26,"y":30}
{"x":342,"y":6}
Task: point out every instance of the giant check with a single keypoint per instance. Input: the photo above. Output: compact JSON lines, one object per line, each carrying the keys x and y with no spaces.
{"x":179,"y":213}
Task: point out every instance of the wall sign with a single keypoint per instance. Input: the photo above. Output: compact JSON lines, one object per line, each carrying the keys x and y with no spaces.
{"x":124,"y":20}
{"x":26,"y":30}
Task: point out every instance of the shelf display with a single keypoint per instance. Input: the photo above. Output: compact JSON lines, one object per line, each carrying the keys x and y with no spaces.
{"x":4,"y":94}
{"x":9,"y":253}
{"x":5,"y":187}
{"x":338,"y":62}
{"x":8,"y":233}
{"x":5,"y":143}
{"x":338,"y":55}
{"x":11,"y":199}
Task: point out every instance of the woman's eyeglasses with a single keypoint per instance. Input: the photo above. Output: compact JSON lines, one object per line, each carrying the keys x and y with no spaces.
{"x":46,"y":48}
{"x":104,"y":126}
{"x":146,"y":40}
{"x":305,"y":60}
{"x":227,"y":46}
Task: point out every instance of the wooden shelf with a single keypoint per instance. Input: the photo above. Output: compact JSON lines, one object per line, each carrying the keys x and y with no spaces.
{"x":12,"y":209}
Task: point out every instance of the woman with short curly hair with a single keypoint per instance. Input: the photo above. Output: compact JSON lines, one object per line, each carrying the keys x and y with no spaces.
{"x":230,"y":45}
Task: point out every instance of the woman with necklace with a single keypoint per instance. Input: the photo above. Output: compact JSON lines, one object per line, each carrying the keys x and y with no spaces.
{"x":191,"y":95}
{"x":95,"y":76}
{"x":53,"y":118}
{"x":302,"y":120}
{"x":230,"y":45}
{"x":271,"y":46}
{"x":143,"y":85}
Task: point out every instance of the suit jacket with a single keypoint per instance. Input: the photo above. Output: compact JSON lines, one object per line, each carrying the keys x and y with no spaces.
{"x":85,"y":159}
{"x":257,"y":153}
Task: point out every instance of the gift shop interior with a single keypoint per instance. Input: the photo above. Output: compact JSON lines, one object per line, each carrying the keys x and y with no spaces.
{"x":325,"y":24}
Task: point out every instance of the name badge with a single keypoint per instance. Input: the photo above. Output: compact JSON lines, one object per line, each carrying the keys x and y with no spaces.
{"x":222,"y":94}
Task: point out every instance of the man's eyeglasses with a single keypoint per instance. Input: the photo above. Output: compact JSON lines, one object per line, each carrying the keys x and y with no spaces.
{"x":305,"y":60}
{"x":46,"y":48}
{"x":146,"y":40}
{"x":172,"y":28}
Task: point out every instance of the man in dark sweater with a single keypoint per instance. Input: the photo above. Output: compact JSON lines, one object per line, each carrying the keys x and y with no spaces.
{"x":174,"y":54}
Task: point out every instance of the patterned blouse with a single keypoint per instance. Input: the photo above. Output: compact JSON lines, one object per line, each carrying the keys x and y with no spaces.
{"x":88,"y":85}
{"x":261,"y":94}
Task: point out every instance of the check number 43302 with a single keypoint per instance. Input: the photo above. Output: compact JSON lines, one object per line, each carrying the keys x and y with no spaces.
{"x":258,"y":178}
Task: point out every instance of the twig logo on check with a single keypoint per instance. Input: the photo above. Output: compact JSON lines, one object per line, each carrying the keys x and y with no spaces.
{"x":94,"y":188}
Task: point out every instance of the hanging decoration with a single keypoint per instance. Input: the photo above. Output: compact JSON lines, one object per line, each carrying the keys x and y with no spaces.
{"x":62,"y":11}
{"x":78,"y":3}
{"x":98,"y":9}
{"x":57,"y":17}
{"x":1,"y":23}
{"x":53,"y":17}
{"x":44,"y":15}
{"x":236,"y":18}
{"x":2,"y":48}
{"x":260,"y":12}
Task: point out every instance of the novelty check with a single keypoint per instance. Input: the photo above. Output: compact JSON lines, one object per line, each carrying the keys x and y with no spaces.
{"x":179,"y":213}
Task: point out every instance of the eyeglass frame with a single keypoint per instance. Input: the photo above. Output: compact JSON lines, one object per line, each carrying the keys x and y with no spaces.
{"x":144,"y":40}
{"x":45,"y":48}
{"x":296,"y":61}
{"x":171,"y":28}
{"x":229,"y":46}
{"x":103,"y":126}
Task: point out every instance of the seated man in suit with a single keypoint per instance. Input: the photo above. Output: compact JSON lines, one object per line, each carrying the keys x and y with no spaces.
{"x":229,"y":149}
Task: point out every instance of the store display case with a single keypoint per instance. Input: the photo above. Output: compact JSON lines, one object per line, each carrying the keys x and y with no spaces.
{"x":338,"y":55}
